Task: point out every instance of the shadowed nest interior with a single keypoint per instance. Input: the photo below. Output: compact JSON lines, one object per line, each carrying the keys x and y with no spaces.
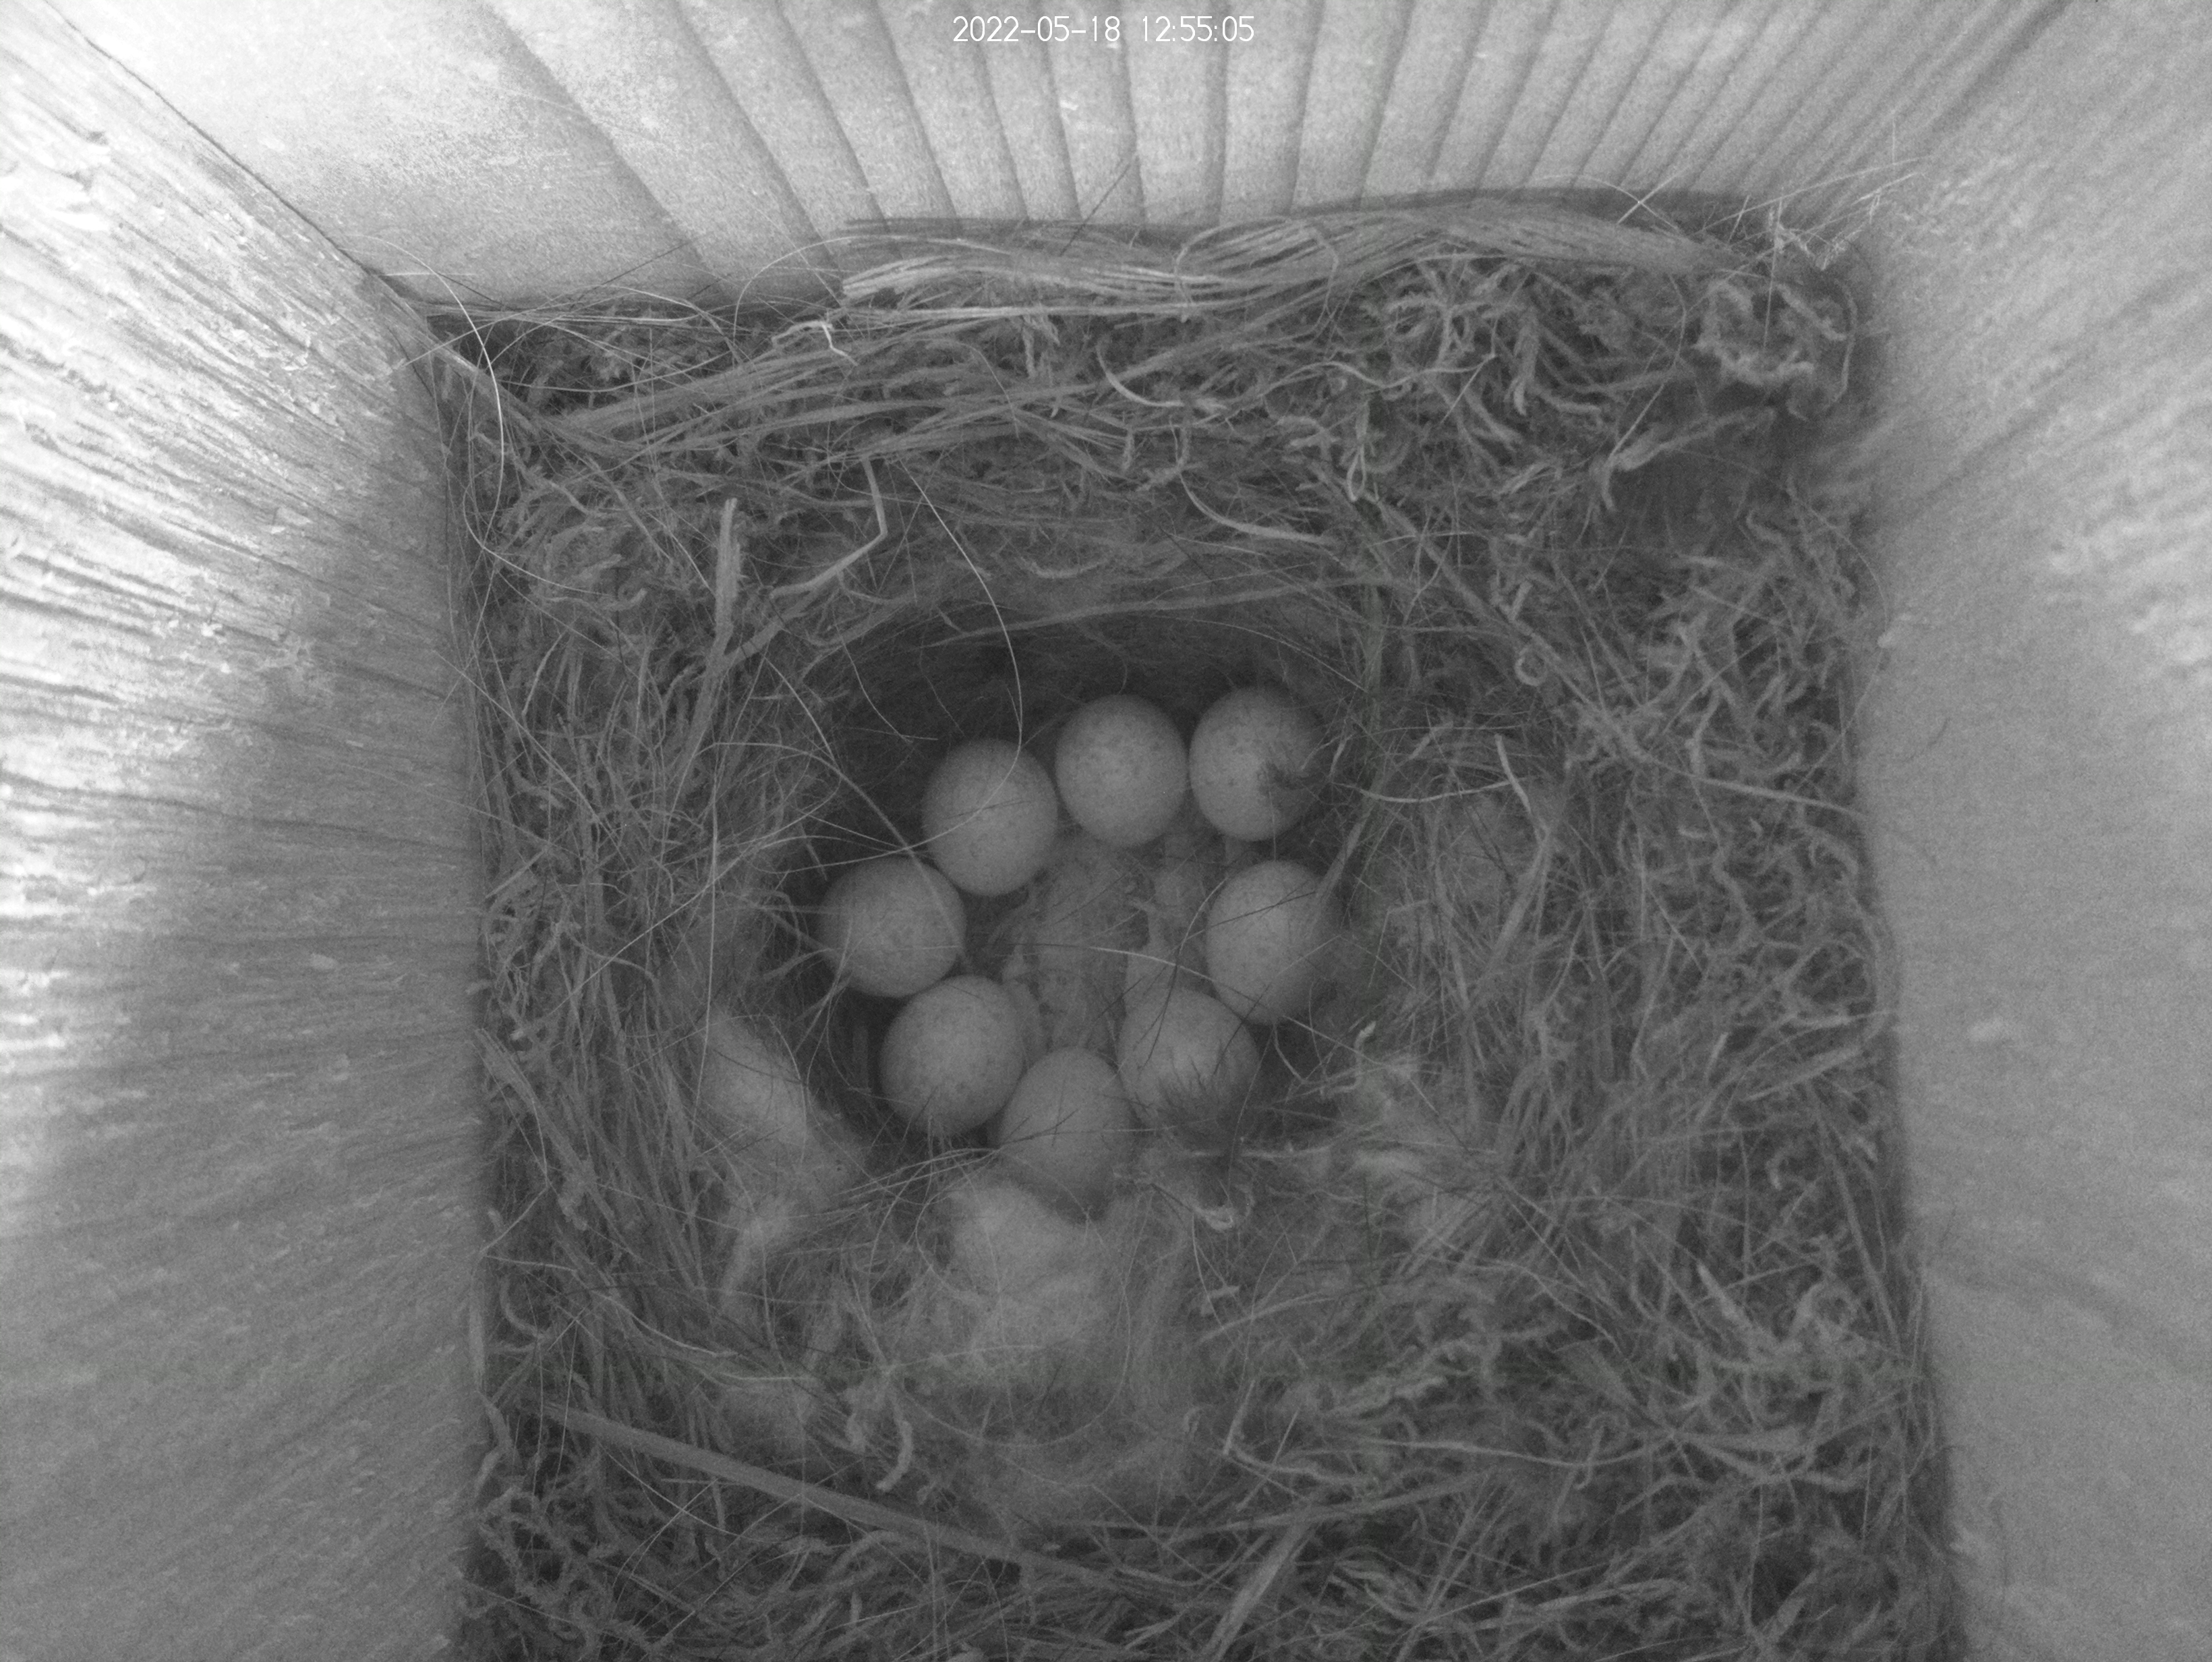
{"x":1555,"y":1304}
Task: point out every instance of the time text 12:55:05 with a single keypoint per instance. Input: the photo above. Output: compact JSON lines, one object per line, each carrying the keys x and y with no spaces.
{"x":1110,"y":29}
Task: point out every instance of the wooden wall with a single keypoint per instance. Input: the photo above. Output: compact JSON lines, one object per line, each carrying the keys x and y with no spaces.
{"x":2039,"y":770}
{"x":529,"y":147}
{"x":238,"y":899}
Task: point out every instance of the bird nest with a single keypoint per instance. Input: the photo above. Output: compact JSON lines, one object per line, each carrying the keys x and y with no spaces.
{"x":1548,"y":1300}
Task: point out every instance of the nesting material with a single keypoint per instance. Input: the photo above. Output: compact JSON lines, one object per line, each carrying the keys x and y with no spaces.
{"x":1537,"y":1294}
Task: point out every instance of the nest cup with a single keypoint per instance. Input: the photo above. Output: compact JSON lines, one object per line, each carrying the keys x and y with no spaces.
{"x":1548,"y":1303}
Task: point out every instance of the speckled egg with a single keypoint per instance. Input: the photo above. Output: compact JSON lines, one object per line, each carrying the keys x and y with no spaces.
{"x":891,"y":925}
{"x":1068,"y":1127}
{"x":1120,"y":768}
{"x":1185,"y":1060}
{"x":989,"y":816}
{"x":1271,"y":938}
{"x":1252,"y":761}
{"x":953,"y":1056}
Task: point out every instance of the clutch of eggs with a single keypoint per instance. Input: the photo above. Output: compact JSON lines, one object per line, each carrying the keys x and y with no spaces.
{"x":963,"y":1052}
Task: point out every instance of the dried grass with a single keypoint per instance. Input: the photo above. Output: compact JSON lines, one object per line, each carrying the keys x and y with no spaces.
{"x":1560,"y":1310}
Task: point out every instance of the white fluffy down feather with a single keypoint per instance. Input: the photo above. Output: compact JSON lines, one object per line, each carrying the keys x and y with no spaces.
{"x":785,"y":1158}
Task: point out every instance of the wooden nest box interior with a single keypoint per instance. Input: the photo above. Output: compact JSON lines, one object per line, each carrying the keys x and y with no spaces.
{"x":240,"y":881}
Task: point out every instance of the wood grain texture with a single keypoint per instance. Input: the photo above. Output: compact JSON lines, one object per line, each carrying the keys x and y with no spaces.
{"x":640,"y":73}
{"x":1566,"y":89}
{"x":1100,"y":128}
{"x":1439,"y":42}
{"x":1356,"y":52}
{"x":1799,"y":126}
{"x":1766,"y":46}
{"x":1770,"y":84}
{"x":851,"y":63}
{"x":1515,"y":50}
{"x":1027,"y":100}
{"x":519,"y":149}
{"x":949,"y":83}
{"x":1265,"y":119}
{"x":1690,"y":80}
{"x":761,"y":61}
{"x":237,"y":891}
{"x":2038,"y":771}
{"x":420,"y":135}
{"x":1847,"y":147}
{"x":1177,"y":96}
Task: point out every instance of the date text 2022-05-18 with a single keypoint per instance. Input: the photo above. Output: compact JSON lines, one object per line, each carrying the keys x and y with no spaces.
{"x":1110,"y":29}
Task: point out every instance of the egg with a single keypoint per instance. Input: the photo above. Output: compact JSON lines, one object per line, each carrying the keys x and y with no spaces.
{"x":1185,"y":1060}
{"x":1271,"y":938}
{"x":988,"y":816}
{"x":1068,"y":1127}
{"x":1252,"y":761}
{"x":1121,"y":770}
{"x":891,"y":925}
{"x":953,"y":1056}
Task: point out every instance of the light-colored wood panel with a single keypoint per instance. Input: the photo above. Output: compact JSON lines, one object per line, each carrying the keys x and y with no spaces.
{"x":1691,"y":64}
{"x":1558,"y":148}
{"x":1027,"y":99}
{"x":415,"y":134}
{"x":1509,"y":51}
{"x":1548,"y":68}
{"x":238,"y":892}
{"x":1870,"y":59}
{"x":950,"y":85}
{"x":1178,"y":101}
{"x":1769,"y":48}
{"x":642,"y":75}
{"x":1267,"y":90}
{"x":2039,"y":774}
{"x":851,"y":64}
{"x":766,"y":68}
{"x":1355,"y":56}
{"x":1098,"y":124}
{"x":1641,"y":86}
{"x":655,"y":142}
{"x":1440,"y":37}
{"x":1886,"y":125}
{"x":1771,"y":91}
